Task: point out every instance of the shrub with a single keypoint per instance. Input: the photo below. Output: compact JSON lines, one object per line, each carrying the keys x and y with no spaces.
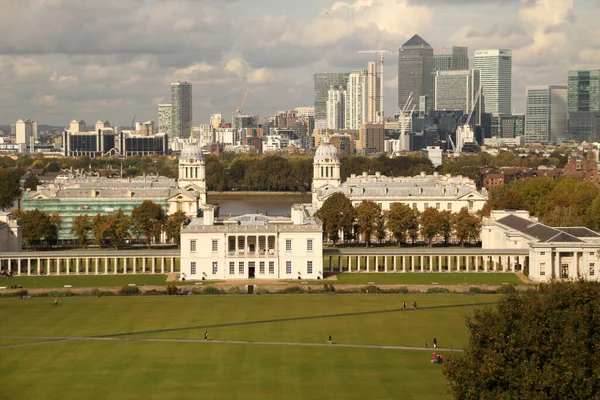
{"x":172,"y":290}
{"x":475,"y":290}
{"x":129,"y":291}
{"x":507,"y":289}
{"x":234,"y":290}
{"x":437,"y":290}
{"x":369,"y":289}
{"x":212,"y":290}
{"x":291,"y":290}
{"x":328,"y":288}
{"x":66,"y":293}
{"x":262,"y":291}
{"x":154,"y":292}
{"x":100,"y":293}
{"x":18,"y":293}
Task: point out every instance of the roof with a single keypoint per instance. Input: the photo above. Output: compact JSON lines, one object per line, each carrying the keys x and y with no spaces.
{"x":416,"y":41}
{"x":539,"y":231}
{"x":580,"y":232}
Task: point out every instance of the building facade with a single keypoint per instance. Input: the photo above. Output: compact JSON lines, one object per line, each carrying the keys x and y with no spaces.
{"x":546,"y":114}
{"x":495,"y":66}
{"x":374,"y":112}
{"x":10,"y":233}
{"x":252,"y":246}
{"x":455,"y":58}
{"x":584,"y":105}
{"x":356,"y":99}
{"x":371,"y":137}
{"x":323,"y":82}
{"x":164,"y":118}
{"x":336,"y":108}
{"x":181,"y":111}
{"x":415,"y":68}
{"x":456,"y":91}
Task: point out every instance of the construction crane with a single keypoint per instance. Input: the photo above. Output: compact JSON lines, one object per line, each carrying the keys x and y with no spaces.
{"x":464,"y":132}
{"x":404,"y":116}
{"x":241,"y":106}
{"x":133,"y":123}
{"x":380,"y":73}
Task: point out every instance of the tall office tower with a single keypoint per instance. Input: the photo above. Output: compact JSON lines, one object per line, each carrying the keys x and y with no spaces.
{"x":23,"y":131}
{"x":323,"y":82}
{"x":415,"y":68}
{"x":456,"y":91}
{"x":77,"y":126}
{"x":181,"y":113}
{"x":584,"y":105}
{"x":373,"y":93}
{"x":304,"y":112}
{"x":356,"y":99}
{"x":336,"y":108}
{"x":164,"y":118}
{"x":371,"y":137}
{"x":546,"y":114}
{"x":455,"y":58}
{"x":495,"y":67}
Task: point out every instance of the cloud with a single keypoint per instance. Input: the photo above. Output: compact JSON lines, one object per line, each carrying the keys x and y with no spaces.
{"x":47,"y":100}
{"x":262,"y":76}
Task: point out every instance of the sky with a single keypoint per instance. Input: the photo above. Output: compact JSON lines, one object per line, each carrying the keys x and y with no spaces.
{"x":115,"y":59}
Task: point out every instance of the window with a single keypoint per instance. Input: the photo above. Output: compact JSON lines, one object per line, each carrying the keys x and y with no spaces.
{"x":470,"y":204}
{"x":309,"y":267}
{"x":241,"y":268}
{"x":232,"y":268}
{"x":592,"y":254}
{"x":414,"y":206}
{"x":288,"y":245}
{"x":215,"y":267}
{"x":543,"y":253}
{"x":542,"y":269}
{"x":426,"y":205}
{"x":380,"y":205}
{"x":309,"y":243}
{"x":192,"y":246}
{"x":449,"y":206}
{"x":193,"y":268}
{"x":288,"y":267}
{"x":215,"y":246}
{"x":437,"y":206}
{"x":261,"y":268}
{"x":271,"y":267}
{"x":592,"y":269}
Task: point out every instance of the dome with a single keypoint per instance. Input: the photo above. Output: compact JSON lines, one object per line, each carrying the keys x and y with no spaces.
{"x":326,"y":152}
{"x":191,"y":151}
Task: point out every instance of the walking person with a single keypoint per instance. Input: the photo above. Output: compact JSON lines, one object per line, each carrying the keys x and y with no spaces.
{"x":205,"y":336}
{"x":434,"y":343}
{"x":55,"y":302}
{"x":330,"y":341}
{"x":404,"y":305}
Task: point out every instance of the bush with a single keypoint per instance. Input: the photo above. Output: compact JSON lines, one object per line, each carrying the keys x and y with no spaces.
{"x":369,"y":289}
{"x":234,"y":290}
{"x":66,"y":293}
{"x":262,"y":291}
{"x":507,"y":289}
{"x":129,"y":291}
{"x":475,"y":290}
{"x":172,"y":290}
{"x":328,"y":288}
{"x":100,"y":293}
{"x":212,"y":290}
{"x":18,"y":293}
{"x":440,"y":290}
{"x":291,"y":290}
{"x":154,"y":292}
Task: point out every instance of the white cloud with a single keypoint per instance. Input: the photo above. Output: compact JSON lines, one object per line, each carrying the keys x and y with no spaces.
{"x":263,"y":76}
{"x":47,"y":100}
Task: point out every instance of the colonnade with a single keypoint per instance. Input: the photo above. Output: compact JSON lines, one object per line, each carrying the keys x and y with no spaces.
{"x":251,"y":245}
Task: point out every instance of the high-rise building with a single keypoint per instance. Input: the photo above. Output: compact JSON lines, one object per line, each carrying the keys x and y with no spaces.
{"x":305,"y":112}
{"x":336,"y":108}
{"x":373,"y":93}
{"x":77,"y":126}
{"x":456,"y":91}
{"x":371,"y":138}
{"x":181,"y":112}
{"x":23,"y":131}
{"x":323,"y":82}
{"x":546,"y":114}
{"x":356,"y":99}
{"x":415,"y":68}
{"x":164,"y":118}
{"x":495,"y":67}
{"x":455,"y":58}
{"x":584,"y":105}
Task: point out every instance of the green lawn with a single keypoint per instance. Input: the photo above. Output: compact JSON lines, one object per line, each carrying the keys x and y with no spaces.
{"x":91,"y":281}
{"x":149,"y":370}
{"x":427,"y":278}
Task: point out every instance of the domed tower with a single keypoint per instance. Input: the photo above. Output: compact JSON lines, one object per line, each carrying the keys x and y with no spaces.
{"x":326,"y":168}
{"x":192,"y":170}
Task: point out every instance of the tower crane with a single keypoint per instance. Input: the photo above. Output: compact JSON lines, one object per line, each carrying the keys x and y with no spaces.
{"x":241,"y":106}
{"x":464,"y":132}
{"x":380,"y":73}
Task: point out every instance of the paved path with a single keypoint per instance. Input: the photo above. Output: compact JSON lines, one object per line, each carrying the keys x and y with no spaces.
{"x":59,"y":339}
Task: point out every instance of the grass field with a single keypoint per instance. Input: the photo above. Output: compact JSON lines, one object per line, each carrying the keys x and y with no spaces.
{"x":427,"y":278}
{"x":126,"y":368}
{"x":31,"y":282}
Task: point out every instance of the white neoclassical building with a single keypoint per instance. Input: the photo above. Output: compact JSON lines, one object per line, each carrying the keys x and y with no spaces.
{"x":252,"y":246}
{"x":554,"y":253}
{"x":191,"y":195}
{"x":443,"y":192}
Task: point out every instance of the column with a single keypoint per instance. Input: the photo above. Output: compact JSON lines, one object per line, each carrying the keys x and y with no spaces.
{"x":477,"y":265}
{"x":116,"y":261}
{"x":172,"y":264}
{"x":87,"y":266}
{"x":246,"y":247}
{"x":162,"y":264}
{"x":96,"y":266}
{"x":39,"y":267}
{"x":403,"y":263}
{"x":367,"y":262}
{"x":412,"y":263}
{"x":394,"y":262}
{"x":385,"y":264}
{"x":68,"y":265}
{"x":422,"y":265}
{"x":105,"y":265}
{"x":439,"y":263}
{"x":77,"y":265}
{"x":153,"y":264}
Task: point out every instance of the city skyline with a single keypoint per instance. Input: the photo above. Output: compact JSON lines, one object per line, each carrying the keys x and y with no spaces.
{"x":120,"y":63}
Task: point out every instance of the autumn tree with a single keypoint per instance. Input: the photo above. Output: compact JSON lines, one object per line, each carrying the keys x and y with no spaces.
{"x":568,"y":203}
{"x":38,"y":227}
{"x":398,"y":220}
{"x":467,"y":226}
{"x":539,"y":344}
{"x":113,"y":228}
{"x":81,"y":227}
{"x":10,"y":188}
{"x":173,"y":225}
{"x":367,"y":217}
{"x":336,"y":214}
{"x":31,"y":182}
{"x":430,"y":223}
{"x":147,"y":220}
{"x":380,"y":229}
{"x":446,"y":225}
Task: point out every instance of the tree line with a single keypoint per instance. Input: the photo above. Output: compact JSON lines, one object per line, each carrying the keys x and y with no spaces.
{"x":366,"y":222}
{"x":147,"y":222}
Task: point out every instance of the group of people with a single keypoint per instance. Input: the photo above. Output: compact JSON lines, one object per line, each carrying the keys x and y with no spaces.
{"x":437,"y":358}
{"x":7,"y":273}
{"x":414,"y":305}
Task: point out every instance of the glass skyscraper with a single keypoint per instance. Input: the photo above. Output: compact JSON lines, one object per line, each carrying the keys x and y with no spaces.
{"x":546,"y":114}
{"x":323,"y":82}
{"x":455,"y":58}
{"x":181,"y":109}
{"x":584,"y":105}
{"x":415,"y":69}
{"x":495,"y":67}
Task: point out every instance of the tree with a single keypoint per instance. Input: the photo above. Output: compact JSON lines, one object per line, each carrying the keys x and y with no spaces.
{"x":337,"y":214}
{"x":467,"y":227}
{"x":446,"y":225}
{"x":38,"y":227}
{"x":574,"y":194}
{"x":173,"y":226}
{"x":380,"y":230}
{"x":10,"y":188}
{"x":119,"y":226}
{"x":399,"y":218}
{"x":81,"y":227}
{"x":31,"y":182}
{"x":541,"y":344}
{"x":367,"y":216}
{"x":147,"y":220}
{"x":430,"y":221}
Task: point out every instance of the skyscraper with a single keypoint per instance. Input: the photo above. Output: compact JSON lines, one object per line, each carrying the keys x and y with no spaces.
{"x":456,"y":90}
{"x":164,"y":118}
{"x":584,"y":105}
{"x":451,"y":59}
{"x":323,"y":82}
{"x":496,"y":79}
{"x":181,"y":113}
{"x":415,"y":68}
{"x":356,"y":99}
{"x":373,"y":93}
{"x":546,"y":114}
{"x":336,"y":108}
